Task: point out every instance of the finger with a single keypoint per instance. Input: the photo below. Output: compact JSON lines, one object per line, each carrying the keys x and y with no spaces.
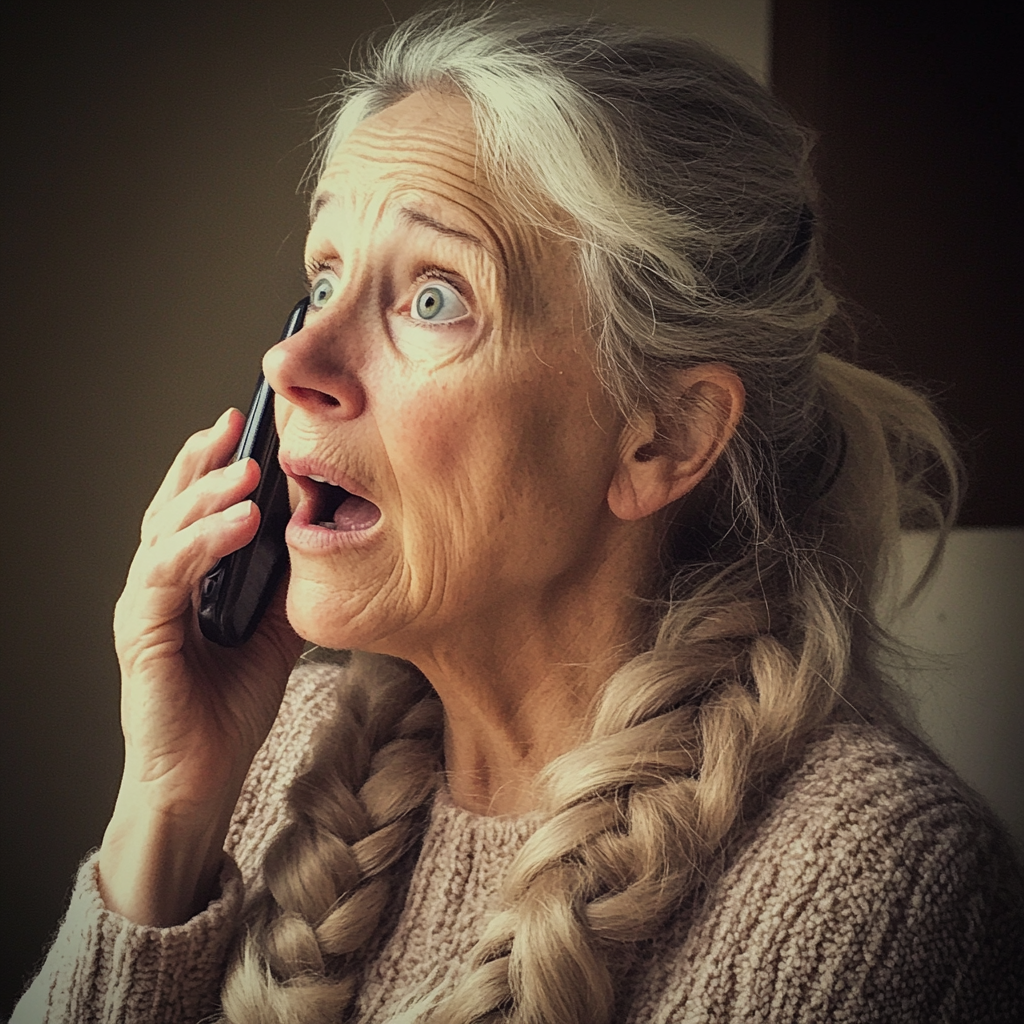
{"x":208,"y":495}
{"x":162,"y":578}
{"x":204,"y":450}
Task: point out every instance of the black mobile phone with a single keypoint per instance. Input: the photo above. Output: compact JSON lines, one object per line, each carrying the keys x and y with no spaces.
{"x":235,"y":593}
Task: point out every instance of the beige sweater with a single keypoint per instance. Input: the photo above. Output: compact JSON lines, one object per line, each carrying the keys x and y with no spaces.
{"x":873,"y":888}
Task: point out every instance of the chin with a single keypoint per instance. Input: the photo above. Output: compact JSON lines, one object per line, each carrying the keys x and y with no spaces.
{"x":332,"y":618}
{"x":318,"y":617}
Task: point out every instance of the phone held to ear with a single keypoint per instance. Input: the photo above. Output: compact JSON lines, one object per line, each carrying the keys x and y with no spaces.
{"x":235,"y":593}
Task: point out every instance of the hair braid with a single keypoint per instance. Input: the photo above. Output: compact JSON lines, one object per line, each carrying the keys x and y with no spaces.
{"x":637,"y":813}
{"x":685,"y":743}
{"x":329,"y":875}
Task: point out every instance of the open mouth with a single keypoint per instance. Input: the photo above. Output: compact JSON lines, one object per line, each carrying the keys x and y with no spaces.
{"x":334,"y":508}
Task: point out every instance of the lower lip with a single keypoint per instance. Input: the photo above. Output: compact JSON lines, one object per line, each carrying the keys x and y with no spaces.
{"x":302,"y":535}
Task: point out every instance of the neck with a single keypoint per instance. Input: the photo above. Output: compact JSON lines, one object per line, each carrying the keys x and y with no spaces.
{"x":518,"y":687}
{"x":500,"y":735}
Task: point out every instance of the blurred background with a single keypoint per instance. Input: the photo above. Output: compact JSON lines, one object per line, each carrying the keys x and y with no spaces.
{"x":151,"y":248}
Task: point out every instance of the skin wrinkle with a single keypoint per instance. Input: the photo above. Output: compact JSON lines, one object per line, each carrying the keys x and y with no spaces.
{"x":415,"y":217}
{"x":445,"y":178}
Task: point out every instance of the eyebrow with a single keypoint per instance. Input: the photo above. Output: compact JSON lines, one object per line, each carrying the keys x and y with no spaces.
{"x":411,"y":216}
{"x":418,"y":217}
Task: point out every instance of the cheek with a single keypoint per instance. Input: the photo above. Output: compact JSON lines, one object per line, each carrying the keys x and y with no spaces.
{"x":430,"y":433}
{"x":451,"y":473}
{"x":429,"y":430}
{"x":468,"y":456}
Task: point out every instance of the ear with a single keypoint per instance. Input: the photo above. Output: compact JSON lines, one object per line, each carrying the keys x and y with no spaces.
{"x":666,"y":452}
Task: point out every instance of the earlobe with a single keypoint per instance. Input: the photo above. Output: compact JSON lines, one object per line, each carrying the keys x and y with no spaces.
{"x":664,"y":455}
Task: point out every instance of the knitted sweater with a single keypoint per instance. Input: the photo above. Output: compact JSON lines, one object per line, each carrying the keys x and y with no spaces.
{"x":873,"y":887}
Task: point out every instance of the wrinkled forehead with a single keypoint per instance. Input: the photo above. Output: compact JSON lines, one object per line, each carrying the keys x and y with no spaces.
{"x":423,"y":132}
{"x":425,"y":146}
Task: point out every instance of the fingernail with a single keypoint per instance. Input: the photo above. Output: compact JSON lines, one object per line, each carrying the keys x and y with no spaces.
{"x":223,"y":418}
{"x":238,"y":512}
{"x":237,"y":469}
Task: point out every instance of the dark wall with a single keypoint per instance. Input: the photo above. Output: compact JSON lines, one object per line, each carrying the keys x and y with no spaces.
{"x":918,"y":109}
{"x":151,"y":250}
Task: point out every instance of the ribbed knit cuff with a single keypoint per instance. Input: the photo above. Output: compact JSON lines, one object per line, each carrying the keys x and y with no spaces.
{"x":104,"y":968}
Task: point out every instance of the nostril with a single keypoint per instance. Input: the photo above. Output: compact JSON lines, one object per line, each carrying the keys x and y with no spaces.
{"x":312,"y":396}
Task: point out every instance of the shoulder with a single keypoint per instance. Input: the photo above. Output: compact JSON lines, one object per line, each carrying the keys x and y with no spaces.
{"x":859,"y":786}
{"x":874,"y":885}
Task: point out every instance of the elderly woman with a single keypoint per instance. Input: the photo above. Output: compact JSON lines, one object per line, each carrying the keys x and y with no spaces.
{"x":573,"y":475}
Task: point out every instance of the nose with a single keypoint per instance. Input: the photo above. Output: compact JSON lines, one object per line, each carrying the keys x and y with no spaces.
{"x":314,"y":369}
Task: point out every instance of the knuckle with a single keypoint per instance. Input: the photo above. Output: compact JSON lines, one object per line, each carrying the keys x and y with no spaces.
{"x":173,"y":570}
{"x":189,"y":554}
{"x":150,"y":532}
{"x":190,"y":459}
{"x":161,"y":565}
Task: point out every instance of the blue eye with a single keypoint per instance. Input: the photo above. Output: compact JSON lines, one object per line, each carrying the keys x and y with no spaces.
{"x":437,"y":303}
{"x":322,"y":291}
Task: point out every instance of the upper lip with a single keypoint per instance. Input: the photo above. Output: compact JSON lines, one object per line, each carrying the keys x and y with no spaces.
{"x":299,"y":466}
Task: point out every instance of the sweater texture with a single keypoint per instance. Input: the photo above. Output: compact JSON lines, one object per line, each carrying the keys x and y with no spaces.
{"x":872,"y":887}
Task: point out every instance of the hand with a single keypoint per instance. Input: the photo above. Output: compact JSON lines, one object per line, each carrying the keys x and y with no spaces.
{"x":193,"y":713}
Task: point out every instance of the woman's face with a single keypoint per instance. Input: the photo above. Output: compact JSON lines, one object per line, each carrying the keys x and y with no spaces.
{"x":477,"y":442}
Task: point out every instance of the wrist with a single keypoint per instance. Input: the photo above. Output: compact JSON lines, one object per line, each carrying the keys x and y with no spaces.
{"x":157,"y":867}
